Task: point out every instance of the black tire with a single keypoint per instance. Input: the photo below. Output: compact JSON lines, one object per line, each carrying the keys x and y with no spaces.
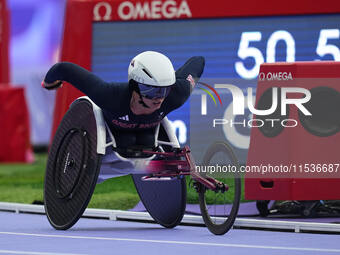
{"x":262,"y":207}
{"x":167,"y":210}
{"x":223,"y":223}
{"x":72,"y":168}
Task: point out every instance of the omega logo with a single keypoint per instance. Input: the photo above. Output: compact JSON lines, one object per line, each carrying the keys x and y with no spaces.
{"x":108,"y":11}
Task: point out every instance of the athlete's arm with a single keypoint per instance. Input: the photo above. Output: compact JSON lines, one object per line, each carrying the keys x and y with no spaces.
{"x":194,"y":67}
{"x":186,"y":77}
{"x":101,"y":92}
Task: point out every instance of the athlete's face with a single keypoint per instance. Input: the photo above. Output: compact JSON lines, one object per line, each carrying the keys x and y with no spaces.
{"x":153,"y":104}
{"x":153,"y":96}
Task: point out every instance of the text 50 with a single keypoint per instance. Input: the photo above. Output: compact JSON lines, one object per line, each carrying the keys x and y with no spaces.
{"x":245,"y":51}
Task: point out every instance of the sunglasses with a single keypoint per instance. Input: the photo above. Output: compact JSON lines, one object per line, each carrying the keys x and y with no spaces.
{"x":152,"y":92}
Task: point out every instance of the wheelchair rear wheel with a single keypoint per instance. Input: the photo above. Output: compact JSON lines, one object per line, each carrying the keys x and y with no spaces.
{"x":72,"y":167}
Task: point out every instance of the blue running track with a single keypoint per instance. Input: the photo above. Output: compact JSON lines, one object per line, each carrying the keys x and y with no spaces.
{"x":31,"y":234}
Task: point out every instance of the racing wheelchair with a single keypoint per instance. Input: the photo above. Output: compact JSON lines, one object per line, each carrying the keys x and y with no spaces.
{"x":78,"y":160}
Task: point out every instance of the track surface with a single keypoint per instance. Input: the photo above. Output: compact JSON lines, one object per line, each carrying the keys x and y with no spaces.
{"x":32,"y":234}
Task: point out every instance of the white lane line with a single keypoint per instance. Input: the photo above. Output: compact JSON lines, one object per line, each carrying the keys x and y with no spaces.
{"x":35,"y":253}
{"x":177,"y":242}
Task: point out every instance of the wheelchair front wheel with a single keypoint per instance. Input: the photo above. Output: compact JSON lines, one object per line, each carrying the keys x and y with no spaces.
{"x":219,"y":208}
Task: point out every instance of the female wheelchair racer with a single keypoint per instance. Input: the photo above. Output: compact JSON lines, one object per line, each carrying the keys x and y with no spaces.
{"x":132,"y":112}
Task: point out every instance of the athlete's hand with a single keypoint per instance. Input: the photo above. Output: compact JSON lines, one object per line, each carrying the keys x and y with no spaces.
{"x":53,"y":85}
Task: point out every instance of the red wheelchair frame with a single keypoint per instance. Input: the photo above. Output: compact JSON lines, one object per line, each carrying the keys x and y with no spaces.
{"x":180,"y":162}
{"x":173,"y":168}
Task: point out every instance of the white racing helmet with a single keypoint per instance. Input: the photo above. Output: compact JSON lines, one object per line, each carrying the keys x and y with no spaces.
{"x":152,"y":68}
